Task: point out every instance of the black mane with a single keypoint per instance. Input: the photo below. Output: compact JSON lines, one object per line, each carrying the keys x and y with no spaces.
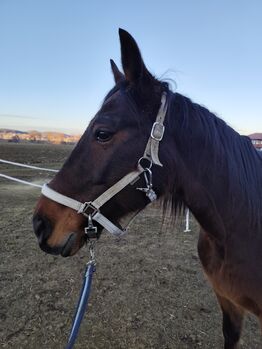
{"x":212,"y":147}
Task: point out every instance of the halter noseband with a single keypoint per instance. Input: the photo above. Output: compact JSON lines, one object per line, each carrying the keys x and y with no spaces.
{"x":91,"y":209}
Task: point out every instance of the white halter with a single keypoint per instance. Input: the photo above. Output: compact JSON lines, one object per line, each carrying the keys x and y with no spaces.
{"x":91,"y":209}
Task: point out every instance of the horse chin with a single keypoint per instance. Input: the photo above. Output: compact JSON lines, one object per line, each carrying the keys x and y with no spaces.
{"x":72,"y":245}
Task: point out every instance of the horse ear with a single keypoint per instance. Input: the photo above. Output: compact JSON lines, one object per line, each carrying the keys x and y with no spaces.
{"x":132,"y":62}
{"x":118,"y":76}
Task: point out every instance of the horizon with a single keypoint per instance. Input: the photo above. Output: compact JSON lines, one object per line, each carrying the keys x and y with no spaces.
{"x":68,"y":132}
{"x":72,"y":133}
{"x":55,"y":71}
{"x":77,"y":132}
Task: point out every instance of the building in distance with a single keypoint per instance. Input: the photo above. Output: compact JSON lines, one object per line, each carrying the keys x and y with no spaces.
{"x":256,"y":139}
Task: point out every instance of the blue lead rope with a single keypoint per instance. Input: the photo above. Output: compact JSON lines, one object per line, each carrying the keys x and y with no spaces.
{"x":82,"y":303}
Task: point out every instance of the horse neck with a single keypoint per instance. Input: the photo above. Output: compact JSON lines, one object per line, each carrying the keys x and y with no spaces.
{"x":209,"y":162}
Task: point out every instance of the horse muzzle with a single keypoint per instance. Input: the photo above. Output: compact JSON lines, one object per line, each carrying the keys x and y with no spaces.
{"x":68,"y":246}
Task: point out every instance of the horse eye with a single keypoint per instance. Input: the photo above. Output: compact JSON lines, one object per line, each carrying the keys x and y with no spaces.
{"x":103,"y":136}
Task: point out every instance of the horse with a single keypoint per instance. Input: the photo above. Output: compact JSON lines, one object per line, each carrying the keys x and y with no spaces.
{"x":197,"y":161}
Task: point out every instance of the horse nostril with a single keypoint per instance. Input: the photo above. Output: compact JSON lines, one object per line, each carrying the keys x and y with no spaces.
{"x":42,"y":228}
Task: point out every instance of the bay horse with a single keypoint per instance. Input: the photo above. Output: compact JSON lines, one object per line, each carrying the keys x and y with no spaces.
{"x":203,"y":164}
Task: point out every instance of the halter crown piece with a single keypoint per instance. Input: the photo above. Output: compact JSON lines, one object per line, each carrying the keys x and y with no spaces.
{"x":91,"y":209}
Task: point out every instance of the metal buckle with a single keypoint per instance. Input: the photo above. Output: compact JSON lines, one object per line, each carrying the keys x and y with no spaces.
{"x":157,"y":131}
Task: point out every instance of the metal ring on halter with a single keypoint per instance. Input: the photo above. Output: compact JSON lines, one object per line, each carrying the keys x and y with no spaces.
{"x":145,"y":166}
{"x":88,"y":206}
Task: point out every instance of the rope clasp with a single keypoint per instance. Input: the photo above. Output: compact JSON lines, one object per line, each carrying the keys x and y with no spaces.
{"x":89,"y":210}
{"x":92,"y":252}
{"x":91,"y":229}
{"x":148,"y":190}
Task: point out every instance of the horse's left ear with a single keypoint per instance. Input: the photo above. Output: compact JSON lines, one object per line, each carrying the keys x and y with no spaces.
{"x":132,"y":62}
{"x":118,"y":76}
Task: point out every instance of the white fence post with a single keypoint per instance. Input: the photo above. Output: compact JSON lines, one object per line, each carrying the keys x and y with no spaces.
{"x":187,"y":222}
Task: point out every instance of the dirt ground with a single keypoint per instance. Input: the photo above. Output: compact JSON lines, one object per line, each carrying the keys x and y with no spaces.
{"x":148,"y":291}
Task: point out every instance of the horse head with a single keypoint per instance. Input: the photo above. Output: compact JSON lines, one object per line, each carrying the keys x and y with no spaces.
{"x":108,"y":150}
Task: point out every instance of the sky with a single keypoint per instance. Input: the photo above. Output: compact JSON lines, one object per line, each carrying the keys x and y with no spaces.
{"x":54,"y":57}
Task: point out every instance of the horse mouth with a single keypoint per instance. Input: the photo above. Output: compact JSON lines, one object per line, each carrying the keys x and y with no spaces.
{"x":72,"y":245}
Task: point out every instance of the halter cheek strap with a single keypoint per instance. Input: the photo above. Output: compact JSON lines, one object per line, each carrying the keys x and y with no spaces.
{"x":156,"y":135}
{"x":91,"y":209}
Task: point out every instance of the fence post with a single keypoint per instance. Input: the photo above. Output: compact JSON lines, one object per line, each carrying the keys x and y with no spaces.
{"x":187,"y":222}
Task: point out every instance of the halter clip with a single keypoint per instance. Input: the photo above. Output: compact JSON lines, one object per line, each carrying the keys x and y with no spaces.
{"x":91,"y":229}
{"x":148,"y":190}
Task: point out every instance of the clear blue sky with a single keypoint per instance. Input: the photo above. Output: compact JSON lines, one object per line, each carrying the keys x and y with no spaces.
{"x":54,"y":57}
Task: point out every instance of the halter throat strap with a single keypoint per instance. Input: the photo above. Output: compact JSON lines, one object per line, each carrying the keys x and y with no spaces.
{"x":91,"y":209}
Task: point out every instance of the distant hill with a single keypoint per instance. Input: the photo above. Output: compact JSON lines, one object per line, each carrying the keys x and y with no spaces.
{"x":55,"y":134}
{"x":46,"y":133}
{"x":36,"y":136}
{"x":7,"y":130}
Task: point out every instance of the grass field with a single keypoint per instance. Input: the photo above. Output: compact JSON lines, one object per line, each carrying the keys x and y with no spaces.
{"x":148,"y":291}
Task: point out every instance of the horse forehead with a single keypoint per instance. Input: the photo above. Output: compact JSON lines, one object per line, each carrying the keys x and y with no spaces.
{"x":114,"y":103}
